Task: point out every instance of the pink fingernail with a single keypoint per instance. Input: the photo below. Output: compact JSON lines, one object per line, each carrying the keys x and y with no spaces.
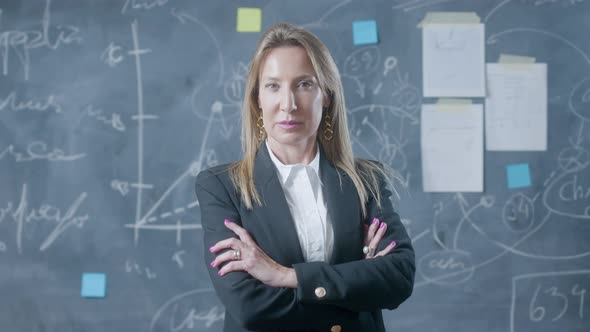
{"x":393,"y":243}
{"x":383,"y":225}
{"x":375,"y":220}
{"x":219,"y":272}
{"x":227,"y":221}
{"x":213,"y":263}
{"x":211,"y":249}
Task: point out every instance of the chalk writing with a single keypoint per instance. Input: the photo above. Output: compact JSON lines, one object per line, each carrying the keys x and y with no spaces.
{"x":38,"y":150}
{"x":22,"y":214}
{"x":22,"y":42}
{"x":12,"y":103}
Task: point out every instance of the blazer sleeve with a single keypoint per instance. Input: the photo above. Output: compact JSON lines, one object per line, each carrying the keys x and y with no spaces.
{"x":380,"y":283}
{"x":256,"y":306}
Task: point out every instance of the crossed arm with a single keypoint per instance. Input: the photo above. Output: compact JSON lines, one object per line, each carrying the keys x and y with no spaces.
{"x":260,"y":293}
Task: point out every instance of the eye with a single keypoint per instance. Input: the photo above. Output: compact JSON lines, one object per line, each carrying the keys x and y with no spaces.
{"x":272,"y":86}
{"x":305,"y":84}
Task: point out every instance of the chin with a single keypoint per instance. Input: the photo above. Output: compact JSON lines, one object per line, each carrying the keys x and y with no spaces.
{"x":293,"y":139}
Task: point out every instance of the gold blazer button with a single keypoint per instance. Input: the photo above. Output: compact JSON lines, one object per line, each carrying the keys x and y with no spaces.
{"x":320,"y":292}
{"x":336,"y":328}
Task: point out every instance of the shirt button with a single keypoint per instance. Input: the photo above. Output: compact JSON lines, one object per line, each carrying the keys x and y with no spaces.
{"x":320,"y":292}
{"x":336,"y":328}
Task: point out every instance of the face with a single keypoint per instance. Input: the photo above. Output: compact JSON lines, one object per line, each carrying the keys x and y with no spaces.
{"x":290,"y":97}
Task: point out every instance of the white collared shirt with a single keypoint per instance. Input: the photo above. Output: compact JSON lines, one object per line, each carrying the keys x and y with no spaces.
{"x":303,"y":190}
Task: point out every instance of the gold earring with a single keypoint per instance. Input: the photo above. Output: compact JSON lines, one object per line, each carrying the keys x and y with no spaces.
{"x":328,"y":132}
{"x":260,"y":125}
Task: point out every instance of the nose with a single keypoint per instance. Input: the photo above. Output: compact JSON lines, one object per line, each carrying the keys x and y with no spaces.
{"x":288,"y":103}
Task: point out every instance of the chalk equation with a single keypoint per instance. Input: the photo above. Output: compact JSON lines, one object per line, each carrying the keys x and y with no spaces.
{"x":552,"y":300}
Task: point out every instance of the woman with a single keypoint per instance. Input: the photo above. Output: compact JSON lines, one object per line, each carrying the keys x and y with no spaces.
{"x":287,"y":228}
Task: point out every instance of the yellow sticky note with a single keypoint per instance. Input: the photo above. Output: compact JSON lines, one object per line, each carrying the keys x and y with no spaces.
{"x":249,"y":19}
{"x":512,"y":59}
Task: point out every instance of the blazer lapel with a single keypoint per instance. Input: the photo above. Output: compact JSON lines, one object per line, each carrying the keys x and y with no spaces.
{"x":275,"y":210}
{"x":344,"y":210}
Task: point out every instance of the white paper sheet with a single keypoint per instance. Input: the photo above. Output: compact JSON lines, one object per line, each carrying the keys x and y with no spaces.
{"x":516,"y":107}
{"x":453,"y":60}
{"x":452,"y":148}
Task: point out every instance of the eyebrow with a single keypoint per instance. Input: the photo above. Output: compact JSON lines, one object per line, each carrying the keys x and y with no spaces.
{"x":272,"y":78}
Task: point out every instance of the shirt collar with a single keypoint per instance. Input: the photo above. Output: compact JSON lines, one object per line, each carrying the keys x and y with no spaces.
{"x":285,"y":170}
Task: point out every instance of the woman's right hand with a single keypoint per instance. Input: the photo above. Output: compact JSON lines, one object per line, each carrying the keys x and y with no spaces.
{"x":372,"y":236}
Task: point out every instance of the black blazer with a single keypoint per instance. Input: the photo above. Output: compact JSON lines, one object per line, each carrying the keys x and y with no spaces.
{"x":355,"y":289}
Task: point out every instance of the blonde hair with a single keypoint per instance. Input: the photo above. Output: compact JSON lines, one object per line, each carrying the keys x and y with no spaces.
{"x":364,"y":174}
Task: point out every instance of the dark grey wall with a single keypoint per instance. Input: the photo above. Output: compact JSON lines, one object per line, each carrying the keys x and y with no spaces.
{"x":108,"y":109}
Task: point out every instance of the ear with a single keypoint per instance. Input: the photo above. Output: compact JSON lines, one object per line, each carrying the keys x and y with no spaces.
{"x":257,"y":92}
{"x":258,"y":102}
{"x":327,"y":101}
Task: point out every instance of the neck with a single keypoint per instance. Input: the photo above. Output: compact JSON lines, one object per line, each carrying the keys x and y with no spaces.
{"x":294,"y":154}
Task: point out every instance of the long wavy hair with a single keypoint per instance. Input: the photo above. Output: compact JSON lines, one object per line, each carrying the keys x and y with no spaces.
{"x":365,"y":174}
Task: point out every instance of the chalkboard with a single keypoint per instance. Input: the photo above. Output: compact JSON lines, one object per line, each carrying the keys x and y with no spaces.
{"x":109,"y":109}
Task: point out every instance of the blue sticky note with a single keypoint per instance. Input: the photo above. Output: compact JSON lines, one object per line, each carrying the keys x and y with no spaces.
{"x":518,"y":175}
{"x":364,"y":32}
{"x":93,"y":284}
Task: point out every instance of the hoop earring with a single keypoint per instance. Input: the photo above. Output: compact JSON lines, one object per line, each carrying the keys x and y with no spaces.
{"x":260,"y":125}
{"x":328,"y":133}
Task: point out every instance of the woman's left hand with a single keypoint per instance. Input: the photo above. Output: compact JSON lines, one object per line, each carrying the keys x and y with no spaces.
{"x":372,"y":236}
{"x":251,"y":259}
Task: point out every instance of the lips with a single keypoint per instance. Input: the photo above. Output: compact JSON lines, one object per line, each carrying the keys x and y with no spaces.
{"x":290,"y":124}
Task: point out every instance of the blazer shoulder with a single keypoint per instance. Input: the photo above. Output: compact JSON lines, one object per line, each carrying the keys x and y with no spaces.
{"x":361,"y":161}
{"x":216,"y":181}
{"x":215,"y":174}
{"x":362,"y":165}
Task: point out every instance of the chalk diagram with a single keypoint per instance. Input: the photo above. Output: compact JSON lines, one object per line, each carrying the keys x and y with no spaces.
{"x":381,"y":131}
{"x":218,"y":117}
